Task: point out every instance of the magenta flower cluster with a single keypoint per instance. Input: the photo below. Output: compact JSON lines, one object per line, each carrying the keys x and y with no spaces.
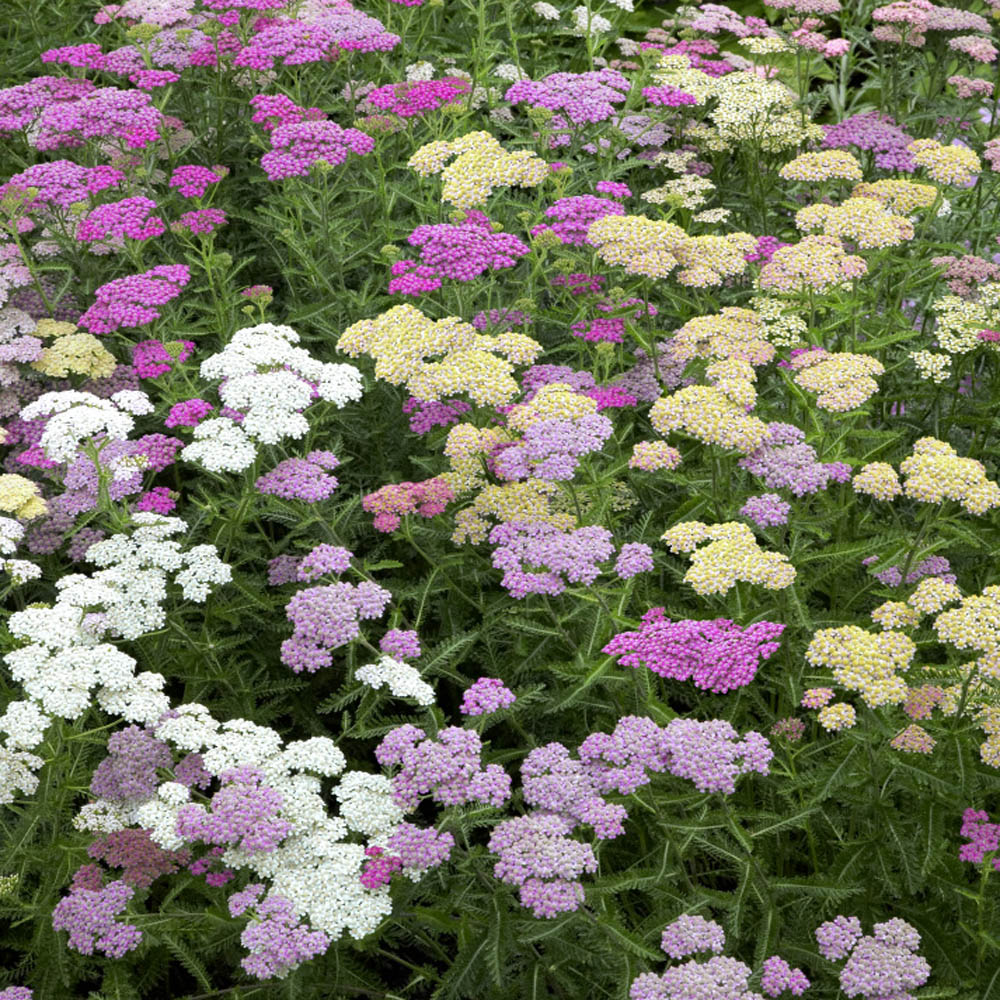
{"x":460,"y":252}
{"x":573,"y":216}
{"x":716,"y":655}
{"x":134,"y":300}
{"x":298,"y":147}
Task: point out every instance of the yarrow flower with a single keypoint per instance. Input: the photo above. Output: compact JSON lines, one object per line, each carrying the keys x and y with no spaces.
{"x":485,"y":696}
{"x":306,"y":478}
{"x":298,"y":147}
{"x":459,"y":252}
{"x":479,"y":165}
{"x":731,"y":554}
{"x":134,"y":300}
{"x":715,"y":655}
{"x":440,"y":358}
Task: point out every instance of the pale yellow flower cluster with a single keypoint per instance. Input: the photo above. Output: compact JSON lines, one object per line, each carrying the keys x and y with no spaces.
{"x":555,"y":401}
{"x":785,"y":328}
{"x":675,"y":69}
{"x":751,"y":109}
{"x":959,"y":321}
{"x":935,"y":472}
{"x":933,"y":594}
{"x":764,"y":46}
{"x":21,"y":497}
{"x":465,"y":447}
{"x":974,"y":624}
{"x":731,"y":333}
{"x":651,"y":456}
{"x":956,"y":165}
{"x":479,"y":165}
{"x":866,"y":662}
{"x":840,"y":715}
{"x":816,"y":263}
{"x":747,"y":107}
{"x":71,"y":352}
{"x":528,"y":500}
{"x":877,"y":479}
{"x":896,"y":614}
{"x":731,"y":555}
{"x":932,"y":366}
{"x":639,"y":245}
{"x":708,"y":260}
{"x":899,"y":196}
{"x":841,"y":381}
{"x":715,"y":414}
{"x":865,"y":221}
{"x":687,"y":191}
{"x":654,"y":247}
{"x":435,"y":359}
{"x":826,"y":165}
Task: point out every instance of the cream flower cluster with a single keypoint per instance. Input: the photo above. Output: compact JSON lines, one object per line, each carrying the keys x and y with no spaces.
{"x":715,"y":414}
{"x":866,"y":662}
{"x":731,"y":555}
{"x":935,"y":472}
{"x":479,"y":164}
{"x":436,"y":359}
{"x":270,"y":380}
{"x":960,"y":321}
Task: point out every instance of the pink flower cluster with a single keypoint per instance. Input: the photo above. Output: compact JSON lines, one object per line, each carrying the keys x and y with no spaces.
{"x":982,"y":836}
{"x":447,"y":768}
{"x":394,"y":501}
{"x":298,"y":147}
{"x":485,"y":696}
{"x":573,"y":555}
{"x":325,"y":618}
{"x":131,"y":217}
{"x":426,"y":415}
{"x":59,"y":184}
{"x":461,"y":252}
{"x":306,"y":478}
{"x":126,"y":117}
{"x":150,"y":358}
{"x":417,"y":97}
{"x":133,"y":300}
{"x":574,"y":216}
{"x":716,"y":655}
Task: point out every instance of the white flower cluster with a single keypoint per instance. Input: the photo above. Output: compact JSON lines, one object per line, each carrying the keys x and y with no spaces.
{"x":270,"y":381}
{"x":588,"y":23}
{"x":315,"y":867}
{"x":21,"y":570}
{"x":11,"y":532}
{"x":508,"y":71}
{"x":64,"y":659}
{"x":132,"y":581}
{"x":545,"y":11}
{"x":420,"y":71}
{"x":76,"y":416}
{"x":400,"y":678}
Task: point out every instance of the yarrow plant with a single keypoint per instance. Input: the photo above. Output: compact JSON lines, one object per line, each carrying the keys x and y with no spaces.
{"x":499,"y":500}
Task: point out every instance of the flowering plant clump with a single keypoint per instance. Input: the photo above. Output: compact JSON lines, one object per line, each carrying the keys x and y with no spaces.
{"x":499,"y":500}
